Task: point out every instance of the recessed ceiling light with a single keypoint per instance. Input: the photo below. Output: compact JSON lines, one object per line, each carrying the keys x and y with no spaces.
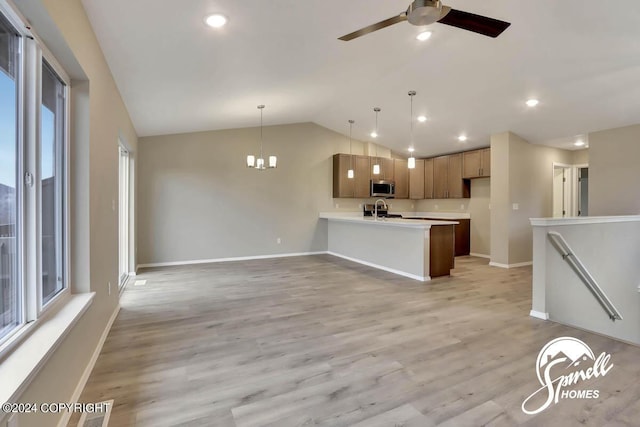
{"x":579,"y":143}
{"x":216,"y":20}
{"x":462,"y":138}
{"x":422,"y":119}
{"x":532,"y":102}
{"x":425,"y":35}
{"x":374,"y":134}
{"x":411,"y":149}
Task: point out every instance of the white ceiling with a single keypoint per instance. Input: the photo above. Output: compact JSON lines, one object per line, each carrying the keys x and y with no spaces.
{"x":581,"y":58}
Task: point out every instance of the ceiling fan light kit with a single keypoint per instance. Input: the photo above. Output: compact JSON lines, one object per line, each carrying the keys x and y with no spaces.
{"x":426,"y":12}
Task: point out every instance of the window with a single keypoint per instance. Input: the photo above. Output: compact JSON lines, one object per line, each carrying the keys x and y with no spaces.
{"x":33,"y":146}
{"x":10,"y":301}
{"x":51,"y":172}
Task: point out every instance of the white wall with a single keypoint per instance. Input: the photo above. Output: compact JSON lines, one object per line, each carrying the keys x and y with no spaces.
{"x":199,"y":201}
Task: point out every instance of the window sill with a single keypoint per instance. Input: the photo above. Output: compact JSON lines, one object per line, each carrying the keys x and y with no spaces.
{"x":19,"y":368}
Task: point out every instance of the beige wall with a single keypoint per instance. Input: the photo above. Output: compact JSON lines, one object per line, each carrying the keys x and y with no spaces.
{"x":200,"y":202}
{"x":94,"y":180}
{"x":522,"y":175}
{"x":477,"y":207}
{"x":614,"y":171}
{"x":580,"y":157}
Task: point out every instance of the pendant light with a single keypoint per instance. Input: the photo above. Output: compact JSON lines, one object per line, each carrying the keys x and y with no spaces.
{"x":411,"y":163}
{"x":258,"y":163}
{"x":350,"y":173}
{"x":376,"y":166}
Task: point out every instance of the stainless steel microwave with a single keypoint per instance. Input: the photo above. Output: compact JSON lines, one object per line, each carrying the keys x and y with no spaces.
{"x":381,"y":188}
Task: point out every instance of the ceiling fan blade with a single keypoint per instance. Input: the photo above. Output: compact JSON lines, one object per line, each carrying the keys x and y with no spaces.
{"x":477,"y":23}
{"x":375,"y":27}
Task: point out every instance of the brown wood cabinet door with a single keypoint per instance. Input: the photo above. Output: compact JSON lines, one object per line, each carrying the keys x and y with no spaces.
{"x":363,"y":176}
{"x":440,"y":177}
{"x":401,"y":177}
{"x":342,"y":186}
{"x":428,"y":178}
{"x":485,"y":164}
{"x":416,"y":181}
{"x":456,"y":185}
{"x":471,"y":164}
{"x":387,"y":169}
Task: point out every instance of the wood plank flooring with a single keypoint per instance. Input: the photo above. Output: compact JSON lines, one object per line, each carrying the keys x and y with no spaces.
{"x":320,"y":341}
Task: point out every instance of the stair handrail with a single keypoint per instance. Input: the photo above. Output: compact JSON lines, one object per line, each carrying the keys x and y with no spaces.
{"x":559,"y":242}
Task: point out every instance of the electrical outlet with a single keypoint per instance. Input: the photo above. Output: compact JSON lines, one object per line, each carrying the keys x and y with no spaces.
{"x":516,"y":206}
{"x":412,"y":205}
{"x":278,"y":240}
{"x":337,"y":206}
{"x":462,"y":207}
{"x":109,"y":288}
{"x":437,"y":207}
{"x":359,"y":205}
{"x":13,"y":421}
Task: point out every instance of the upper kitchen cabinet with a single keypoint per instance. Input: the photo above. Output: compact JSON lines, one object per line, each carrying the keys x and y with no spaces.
{"x":362,"y":169}
{"x":343,"y":187}
{"x":386,"y":168}
{"x":477,"y":163}
{"x":401,"y":177}
{"x":416,"y":181}
{"x":447,"y":178}
{"x":428,"y":178}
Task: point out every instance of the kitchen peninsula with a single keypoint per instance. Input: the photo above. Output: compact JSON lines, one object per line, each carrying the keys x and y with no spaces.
{"x":419,"y":249}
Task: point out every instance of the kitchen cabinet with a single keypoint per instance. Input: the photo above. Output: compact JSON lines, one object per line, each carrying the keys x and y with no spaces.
{"x":477,"y":163}
{"x":386,"y":168}
{"x":428,"y":178}
{"x":401,"y":177}
{"x":342,"y":186}
{"x":362,"y":169}
{"x":359,"y":186}
{"x":447,"y":178}
{"x":416,"y":181}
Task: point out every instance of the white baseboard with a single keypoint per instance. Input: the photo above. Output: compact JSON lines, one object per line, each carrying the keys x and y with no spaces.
{"x":539,"y":315}
{"x":520,"y":264}
{"x":214,"y":260}
{"x":66,"y":415}
{"x":380,"y":267}
{"x":480,"y":255}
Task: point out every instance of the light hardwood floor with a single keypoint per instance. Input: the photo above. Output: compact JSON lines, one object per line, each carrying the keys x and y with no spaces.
{"x":319,"y":340}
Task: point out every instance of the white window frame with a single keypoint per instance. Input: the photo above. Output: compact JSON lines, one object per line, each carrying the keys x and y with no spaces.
{"x":29,"y":273}
{"x":124,"y":218}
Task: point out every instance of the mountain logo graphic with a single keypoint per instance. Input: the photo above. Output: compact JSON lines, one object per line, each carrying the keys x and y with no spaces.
{"x":576,"y":362}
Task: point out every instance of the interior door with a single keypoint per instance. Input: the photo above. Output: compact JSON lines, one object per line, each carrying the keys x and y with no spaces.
{"x":583,"y":191}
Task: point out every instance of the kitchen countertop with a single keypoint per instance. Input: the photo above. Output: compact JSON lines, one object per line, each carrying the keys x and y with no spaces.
{"x":393,"y":222}
{"x":437,"y":215}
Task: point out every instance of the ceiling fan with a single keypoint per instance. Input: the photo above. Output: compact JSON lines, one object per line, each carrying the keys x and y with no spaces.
{"x":425,"y":12}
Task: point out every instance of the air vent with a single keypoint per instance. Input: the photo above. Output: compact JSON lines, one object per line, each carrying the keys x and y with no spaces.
{"x":97,"y":419}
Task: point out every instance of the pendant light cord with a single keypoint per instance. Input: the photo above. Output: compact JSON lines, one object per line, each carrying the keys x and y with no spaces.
{"x":261,"y":156}
{"x":411,"y":119}
{"x":351,"y":122}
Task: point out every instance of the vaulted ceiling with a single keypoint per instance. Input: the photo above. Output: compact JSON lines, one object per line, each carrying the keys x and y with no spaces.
{"x":580,"y":58}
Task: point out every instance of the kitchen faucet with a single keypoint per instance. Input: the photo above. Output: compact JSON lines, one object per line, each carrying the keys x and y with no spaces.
{"x":375,"y":208}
